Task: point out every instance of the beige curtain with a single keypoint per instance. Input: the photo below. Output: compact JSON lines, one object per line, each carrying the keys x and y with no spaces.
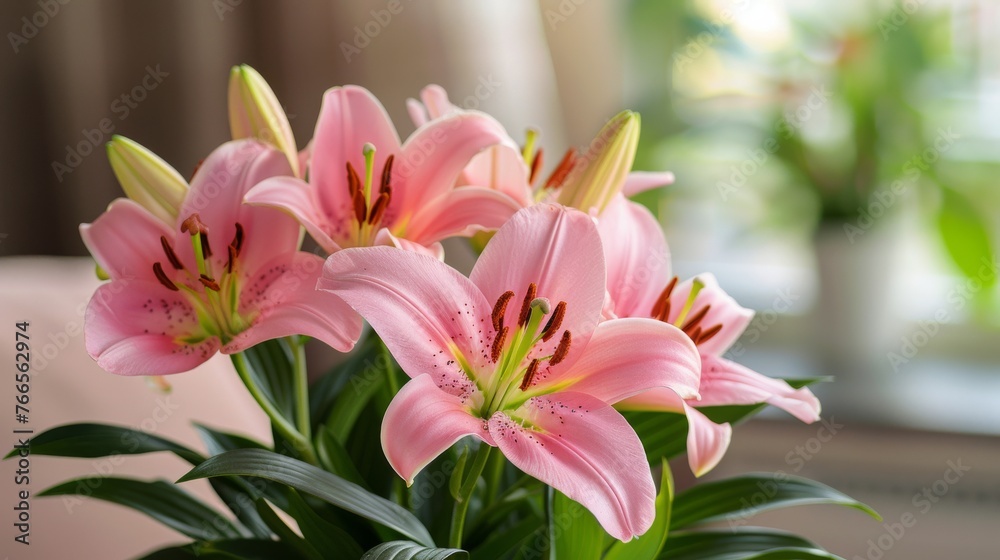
{"x":156,"y":72}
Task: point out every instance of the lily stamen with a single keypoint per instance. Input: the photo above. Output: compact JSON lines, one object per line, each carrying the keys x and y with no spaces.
{"x":498,"y":343}
{"x":238,"y":239}
{"x":171,"y":256}
{"x":661,"y":309}
{"x":209,"y":283}
{"x":562,"y":170}
{"x":536,"y":166}
{"x":707,"y":335}
{"x":162,"y":277}
{"x":555,"y":321}
{"x":562,"y":350}
{"x":696,"y":318}
{"x":500,"y":308}
{"x":529,"y":296}
{"x":696,"y":286}
{"x":529,"y":375}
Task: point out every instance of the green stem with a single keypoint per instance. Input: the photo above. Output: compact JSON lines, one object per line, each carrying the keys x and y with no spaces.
{"x":279,"y":422}
{"x":301,"y":387}
{"x":465,"y":495}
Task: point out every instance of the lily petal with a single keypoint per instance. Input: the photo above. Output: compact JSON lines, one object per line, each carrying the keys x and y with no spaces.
{"x":707,"y":441}
{"x":642,"y":181}
{"x":432,"y":158}
{"x":385,"y":237}
{"x":121,"y":239}
{"x":422,"y":421}
{"x":637,"y":257}
{"x":298,"y":199}
{"x":133,"y":327}
{"x":557,"y":248}
{"x":461,"y":212}
{"x":628,"y":356}
{"x":418,"y":305}
{"x":733,"y":317}
{"x":502,"y":169}
{"x":349,"y":118}
{"x":289,"y":303}
{"x":724,"y":383}
{"x":585,"y":449}
{"x":217,"y":193}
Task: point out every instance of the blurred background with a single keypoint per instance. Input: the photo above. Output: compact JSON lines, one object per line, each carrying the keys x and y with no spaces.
{"x":836,"y":164}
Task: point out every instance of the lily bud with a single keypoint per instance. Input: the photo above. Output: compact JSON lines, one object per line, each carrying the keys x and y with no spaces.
{"x":601,"y":172}
{"x":254,"y":112}
{"x":146,"y":178}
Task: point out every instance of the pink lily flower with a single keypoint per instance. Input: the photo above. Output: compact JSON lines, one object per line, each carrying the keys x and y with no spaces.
{"x":638,"y":269}
{"x":517,"y":356}
{"x":516,"y":172}
{"x":365,"y":188}
{"x":224,"y":276}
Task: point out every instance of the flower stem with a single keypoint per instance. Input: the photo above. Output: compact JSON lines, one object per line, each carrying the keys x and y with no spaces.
{"x":465,"y":495}
{"x":301,"y":387}
{"x":282,"y":425}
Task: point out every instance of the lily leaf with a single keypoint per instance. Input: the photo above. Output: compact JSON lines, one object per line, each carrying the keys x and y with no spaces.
{"x":736,"y":499}
{"x":404,"y":550}
{"x":313,"y":480}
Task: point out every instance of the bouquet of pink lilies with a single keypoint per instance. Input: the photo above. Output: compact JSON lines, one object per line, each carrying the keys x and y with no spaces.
{"x":527,"y":410}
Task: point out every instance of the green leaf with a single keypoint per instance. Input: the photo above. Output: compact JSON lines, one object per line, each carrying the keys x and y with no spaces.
{"x":405,"y":550}
{"x":270,"y":366}
{"x":966,"y":236}
{"x":102,"y":440}
{"x":242,"y":549}
{"x":501,"y":543}
{"x":285,"y":533}
{"x":355,"y":395}
{"x":574,"y":531}
{"x":312,"y":480}
{"x":158,"y":499}
{"x":219,"y":442}
{"x":331,"y":541}
{"x":649,"y":544}
{"x":738,"y":498}
{"x":336,"y":459}
{"x":324,"y":392}
{"x":742,"y":544}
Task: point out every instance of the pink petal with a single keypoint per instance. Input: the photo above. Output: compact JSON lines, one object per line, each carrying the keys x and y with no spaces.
{"x":706,"y":441}
{"x":628,"y":356}
{"x":217,"y":192}
{"x":132,"y":328}
{"x":436,"y":101}
{"x":350,"y":117}
{"x":461,"y":212}
{"x":422,"y":421}
{"x":417,"y":112}
{"x":725,"y":311}
{"x":385,"y":237}
{"x":637,"y":256}
{"x":558,"y":249}
{"x":432,"y":158}
{"x":125,"y":240}
{"x":305,"y":157}
{"x":297,"y":198}
{"x":426,"y":312}
{"x":585,"y":449}
{"x":641,"y":181}
{"x":289,"y":303}
{"x":724,"y":382}
{"x":502,"y":169}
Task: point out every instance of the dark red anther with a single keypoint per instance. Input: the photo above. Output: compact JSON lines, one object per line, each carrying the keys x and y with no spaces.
{"x":555,"y":321}
{"x":378,"y":209}
{"x":696,"y":318}
{"x":171,"y":255}
{"x":387,"y":174}
{"x":238,"y":239}
{"x":205,"y":248}
{"x":233,"y":253}
{"x":360,"y":208}
{"x":162,"y":277}
{"x":498,"y":342}
{"x":529,"y":375}
{"x":500,"y":308}
{"x":536,"y":166}
{"x":562,"y":170}
{"x":209,"y":282}
{"x":562,"y":350}
{"x":529,"y":296}
{"x":661,"y":309}
{"x":707,"y":335}
{"x":353,"y":181}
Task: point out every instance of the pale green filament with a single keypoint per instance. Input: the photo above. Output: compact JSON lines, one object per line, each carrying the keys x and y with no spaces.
{"x":696,"y":286}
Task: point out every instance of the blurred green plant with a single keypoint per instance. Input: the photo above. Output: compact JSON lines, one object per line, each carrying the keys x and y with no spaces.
{"x":850,"y":113}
